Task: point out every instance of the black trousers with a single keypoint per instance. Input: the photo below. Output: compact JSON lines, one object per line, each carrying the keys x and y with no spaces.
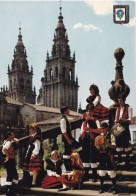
{"x":11,"y":170}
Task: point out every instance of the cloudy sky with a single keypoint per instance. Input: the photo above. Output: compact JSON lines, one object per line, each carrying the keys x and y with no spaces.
{"x":92,"y":35}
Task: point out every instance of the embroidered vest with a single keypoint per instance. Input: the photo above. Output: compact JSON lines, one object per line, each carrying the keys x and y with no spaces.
{"x":125,"y":112}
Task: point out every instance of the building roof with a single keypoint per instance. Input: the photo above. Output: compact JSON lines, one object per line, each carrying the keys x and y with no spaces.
{"x":12,"y":101}
{"x":55,"y":120}
{"x":49,"y":109}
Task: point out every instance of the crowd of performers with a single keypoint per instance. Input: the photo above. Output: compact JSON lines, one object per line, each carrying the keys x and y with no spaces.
{"x":95,"y":149}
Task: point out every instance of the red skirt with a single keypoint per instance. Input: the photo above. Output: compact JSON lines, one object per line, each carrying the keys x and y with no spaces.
{"x":34,"y":164}
{"x":68,"y":183}
{"x":101,"y":112}
{"x":50,"y":182}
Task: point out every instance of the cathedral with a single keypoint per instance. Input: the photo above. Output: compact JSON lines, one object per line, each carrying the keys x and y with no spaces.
{"x":59,"y":85}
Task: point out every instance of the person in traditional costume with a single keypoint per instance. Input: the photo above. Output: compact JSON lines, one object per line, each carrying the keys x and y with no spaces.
{"x":9,"y":162}
{"x":55,"y":168}
{"x":89,"y":153}
{"x":105,"y":143}
{"x":73,"y":179}
{"x":123,"y":142}
{"x":33,"y":158}
{"x":69,"y":142}
{"x":100,"y":112}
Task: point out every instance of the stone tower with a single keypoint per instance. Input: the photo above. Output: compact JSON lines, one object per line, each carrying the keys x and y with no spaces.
{"x":20,"y":77}
{"x":59,"y":86}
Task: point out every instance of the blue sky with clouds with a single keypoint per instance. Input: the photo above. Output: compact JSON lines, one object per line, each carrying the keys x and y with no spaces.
{"x":92,"y":35}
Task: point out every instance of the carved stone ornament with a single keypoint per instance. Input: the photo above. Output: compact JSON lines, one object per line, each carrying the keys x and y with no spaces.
{"x":119,"y":88}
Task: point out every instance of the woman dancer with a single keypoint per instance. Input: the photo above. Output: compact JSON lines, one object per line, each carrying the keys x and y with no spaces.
{"x":100,"y":112}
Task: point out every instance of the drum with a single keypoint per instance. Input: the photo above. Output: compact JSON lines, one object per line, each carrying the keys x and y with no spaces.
{"x":117,"y":130}
{"x":99,"y":141}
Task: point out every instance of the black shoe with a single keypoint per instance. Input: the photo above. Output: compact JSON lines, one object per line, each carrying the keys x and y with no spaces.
{"x":64,"y":189}
{"x":101,"y":191}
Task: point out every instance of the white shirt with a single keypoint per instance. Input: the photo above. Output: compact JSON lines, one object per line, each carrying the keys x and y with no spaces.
{"x":121,"y":113}
{"x":82,"y":128}
{"x":63,"y":123}
{"x":97,"y":100}
{"x":37,"y":146}
{"x":52,"y":173}
{"x":6,"y":145}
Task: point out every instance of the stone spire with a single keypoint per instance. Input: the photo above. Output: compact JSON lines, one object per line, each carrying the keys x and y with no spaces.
{"x":20,"y":58}
{"x":60,"y":47}
{"x":20,"y":77}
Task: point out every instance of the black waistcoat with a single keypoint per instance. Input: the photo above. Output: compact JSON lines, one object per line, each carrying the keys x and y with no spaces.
{"x":68,"y":129}
{"x":56,"y":167}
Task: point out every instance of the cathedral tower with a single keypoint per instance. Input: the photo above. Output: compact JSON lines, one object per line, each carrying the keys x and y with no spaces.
{"x":20,"y":77}
{"x":59,"y":86}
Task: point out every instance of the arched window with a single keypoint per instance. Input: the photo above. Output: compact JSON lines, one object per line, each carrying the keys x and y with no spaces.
{"x":28,"y":84}
{"x":51,"y":74}
{"x":64,"y":72}
{"x":70,"y":74}
{"x":56,"y":70}
{"x":21,"y":83}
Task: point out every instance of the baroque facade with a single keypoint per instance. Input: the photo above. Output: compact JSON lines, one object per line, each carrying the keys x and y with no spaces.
{"x":59,"y":86}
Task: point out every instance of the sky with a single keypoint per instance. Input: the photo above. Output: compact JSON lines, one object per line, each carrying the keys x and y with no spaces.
{"x":92,"y":35}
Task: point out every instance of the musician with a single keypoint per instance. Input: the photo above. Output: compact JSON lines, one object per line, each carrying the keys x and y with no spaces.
{"x":100,"y":112}
{"x":104,"y":143}
{"x":55,"y":168}
{"x":123,"y":117}
{"x":33,"y":157}
{"x":69,"y":142}
{"x":9,"y":161}
{"x":89,"y":153}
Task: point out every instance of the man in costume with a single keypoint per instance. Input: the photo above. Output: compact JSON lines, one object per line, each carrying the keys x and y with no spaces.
{"x":69,"y":142}
{"x":105,"y":142}
{"x":9,"y":162}
{"x":89,"y":153}
{"x":123,"y":117}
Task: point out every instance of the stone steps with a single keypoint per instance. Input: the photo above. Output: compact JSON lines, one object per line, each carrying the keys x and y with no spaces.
{"x":126,"y":181}
{"x":89,"y":188}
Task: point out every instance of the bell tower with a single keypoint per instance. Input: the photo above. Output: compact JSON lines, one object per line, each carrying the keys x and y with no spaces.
{"x":19,"y":75}
{"x":59,"y":86}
